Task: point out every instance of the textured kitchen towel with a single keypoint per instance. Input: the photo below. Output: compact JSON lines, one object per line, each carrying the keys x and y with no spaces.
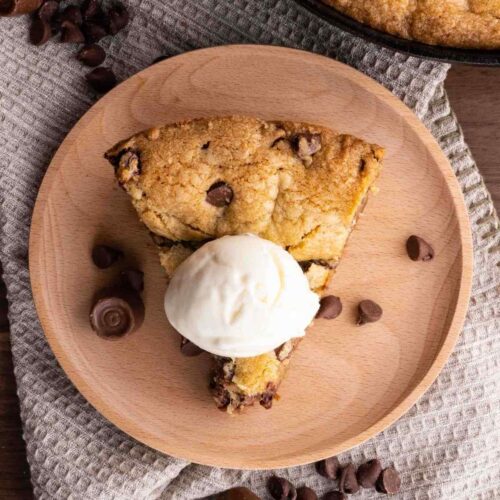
{"x":446,"y":447}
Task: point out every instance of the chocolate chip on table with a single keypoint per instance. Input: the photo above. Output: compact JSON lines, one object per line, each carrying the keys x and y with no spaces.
{"x":281,"y":489}
{"x":91,"y":55}
{"x":306,"y":493}
{"x":238,"y":493}
{"x":93,"y":31}
{"x":368,"y":312}
{"x":418,"y":249}
{"x":189,"y":349}
{"x":47,"y":10}
{"x":72,"y":13}
{"x":306,"y":144}
{"x":368,"y":473}
{"x":133,"y":278}
{"x":71,"y":33}
{"x":118,"y":18}
{"x":389,"y":481}
{"x":104,"y":256}
{"x":329,"y":467}
{"x":116,"y":312}
{"x":40,"y":32}
{"x":335,"y":495}
{"x":219,"y":194}
{"x":348,"y":482}
{"x":330,"y":307}
{"x":101,"y":79}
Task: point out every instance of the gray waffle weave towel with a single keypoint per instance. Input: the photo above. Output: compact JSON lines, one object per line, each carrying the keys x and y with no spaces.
{"x":446,"y":447}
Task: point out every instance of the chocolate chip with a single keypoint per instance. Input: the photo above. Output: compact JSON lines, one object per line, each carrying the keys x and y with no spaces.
{"x":189,"y":349}
{"x":306,"y":493}
{"x":368,"y":312}
{"x":219,"y":194}
{"x":3,"y":289}
{"x":101,"y":79}
{"x":348,"y":482}
{"x":329,"y":307}
{"x":389,"y":481}
{"x":40,"y":32}
{"x":73,"y":14}
{"x":238,"y":493}
{"x":368,"y":473}
{"x":91,"y":55}
{"x":335,"y":495}
{"x":329,"y":467}
{"x":93,"y":31}
{"x":47,"y":10}
{"x":418,"y":249}
{"x":118,"y":18}
{"x":281,"y":489}
{"x":306,"y":144}
{"x":116,"y":312}
{"x":206,"y":145}
{"x":267,"y":397}
{"x":104,"y":256}
{"x":71,"y":33}
{"x":133,"y":278}
{"x":91,"y":9}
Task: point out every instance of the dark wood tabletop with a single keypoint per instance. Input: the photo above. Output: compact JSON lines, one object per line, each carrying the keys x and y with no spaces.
{"x":474,"y":94}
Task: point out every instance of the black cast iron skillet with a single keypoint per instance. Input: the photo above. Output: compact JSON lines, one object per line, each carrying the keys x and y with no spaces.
{"x":440,"y":53}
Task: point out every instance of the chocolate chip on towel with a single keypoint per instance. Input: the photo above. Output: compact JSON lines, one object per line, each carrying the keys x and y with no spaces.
{"x":418,"y":249}
{"x":47,"y":10}
{"x":91,"y":55}
{"x":219,"y":194}
{"x":40,"y":32}
{"x":238,"y":493}
{"x":335,"y":495}
{"x":348,"y":482}
{"x":306,"y":493}
{"x":389,"y":481}
{"x":368,"y":473}
{"x":281,"y":489}
{"x":330,"y":307}
{"x":72,"y":13}
{"x":104,"y":256}
{"x":368,"y":312}
{"x":118,"y":18}
{"x":71,"y":33}
{"x":101,"y":79}
{"x":329,"y":467}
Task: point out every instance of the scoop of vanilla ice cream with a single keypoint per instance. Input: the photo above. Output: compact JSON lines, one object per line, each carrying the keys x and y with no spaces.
{"x":240,"y":296}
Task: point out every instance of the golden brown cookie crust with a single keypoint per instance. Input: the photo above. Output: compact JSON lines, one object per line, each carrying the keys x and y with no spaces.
{"x":453,"y":23}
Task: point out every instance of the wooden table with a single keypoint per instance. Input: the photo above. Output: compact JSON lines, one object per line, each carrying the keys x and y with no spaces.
{"x":474,"y":96}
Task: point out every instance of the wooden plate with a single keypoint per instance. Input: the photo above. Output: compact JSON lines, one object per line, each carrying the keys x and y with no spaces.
{"x":346,"y":383}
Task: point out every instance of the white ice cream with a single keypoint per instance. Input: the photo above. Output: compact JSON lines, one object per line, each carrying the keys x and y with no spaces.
{"x":240,"y":296}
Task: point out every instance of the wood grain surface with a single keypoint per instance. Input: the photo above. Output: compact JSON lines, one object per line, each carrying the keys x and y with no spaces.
{"x":373,"y":374}
{"x":474,"y":96}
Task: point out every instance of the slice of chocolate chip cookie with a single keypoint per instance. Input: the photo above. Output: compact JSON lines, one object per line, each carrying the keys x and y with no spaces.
{"x":301,"y":186}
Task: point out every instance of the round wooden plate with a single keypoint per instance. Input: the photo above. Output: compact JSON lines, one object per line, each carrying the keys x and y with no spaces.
{"x":345,"y":383}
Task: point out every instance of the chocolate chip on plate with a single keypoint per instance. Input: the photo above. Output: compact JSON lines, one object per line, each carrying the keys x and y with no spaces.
{"x":219,"y":194}
{"x":72,"y":13}
{"x":104,"y":256}
{"x":71,"y":33}
{"x":101,"y":79}
{"x":116,"y":312}
{"x":47,"y":10}
{"x":306,"y":493}
{"x":91,"y":55}
{"x":329,"y":467}
{"x":93,"y":31}
{"x":389,"y":481}
{"x":335,"y":495}
{"x":281,"y":489}
{"x":330,"y":307}
{"x":368,"y":473}
{"x":238,"y":493}
{"x":40,"y":32}
{"x":368,"y":312}
{"x":348,"y":482}
{"x":418,"y":249}
{"x":189,"y":349}
{"x":118,"y":18}
{"x":134,"y":279}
